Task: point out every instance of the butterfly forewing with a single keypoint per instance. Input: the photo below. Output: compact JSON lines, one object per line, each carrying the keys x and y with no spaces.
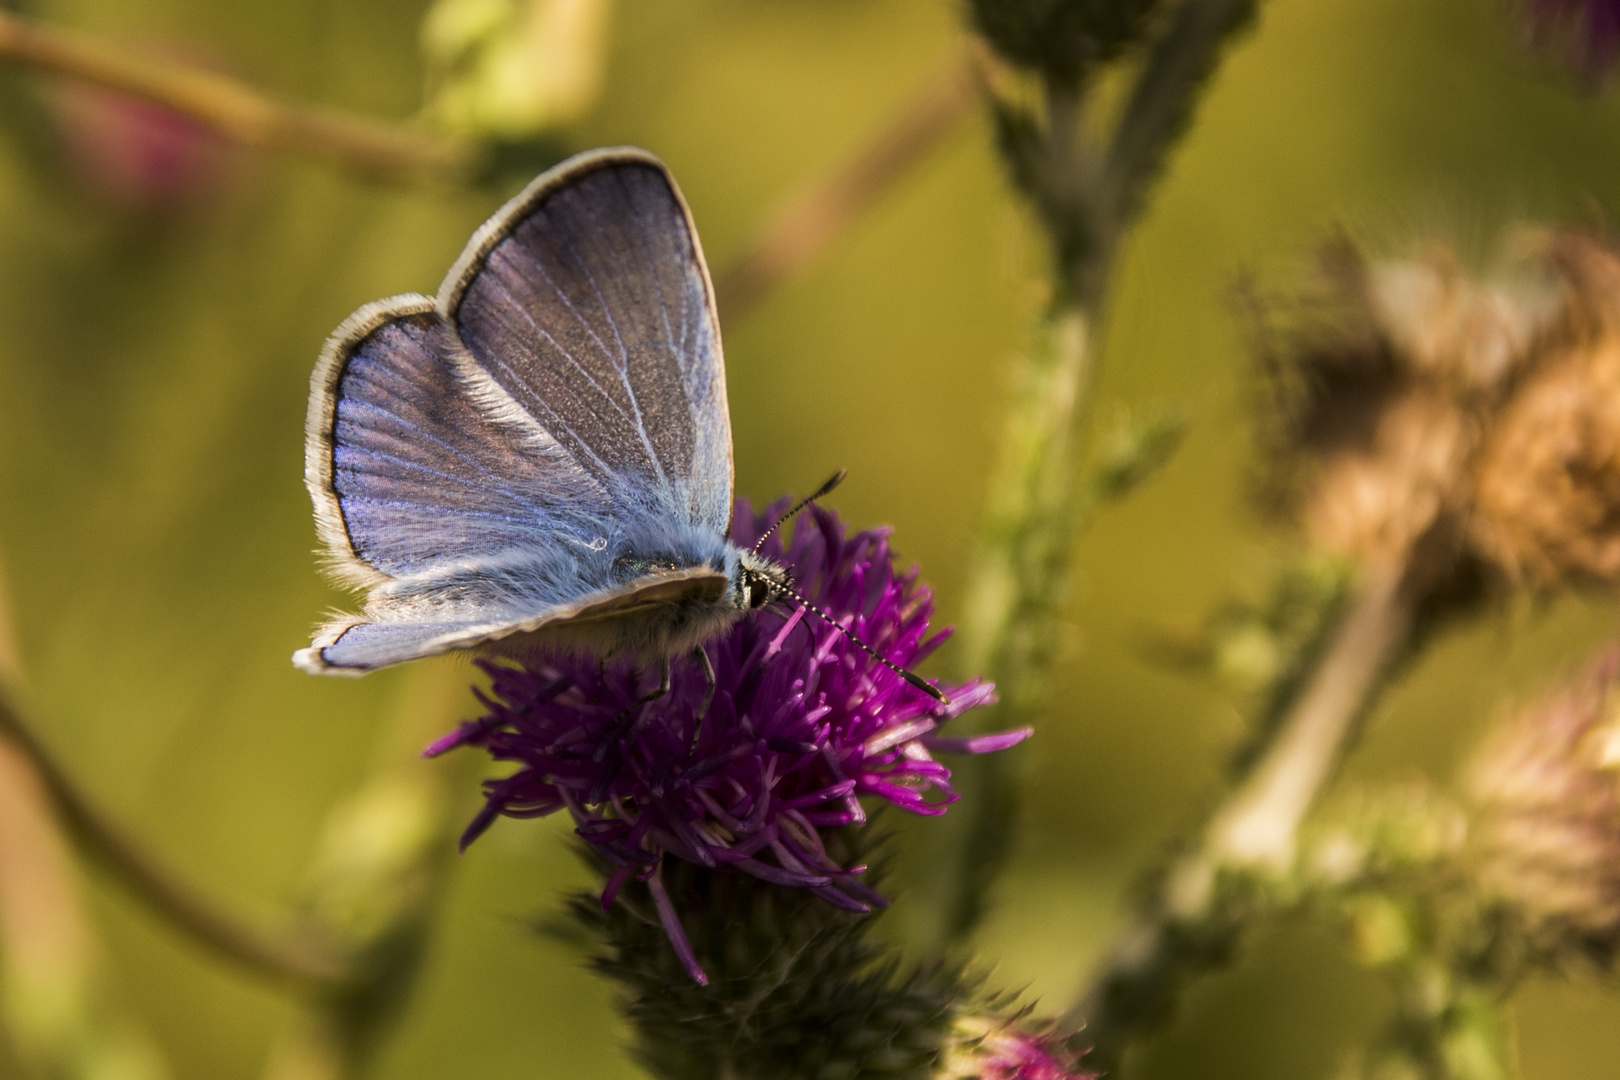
{"x":590,"y":315}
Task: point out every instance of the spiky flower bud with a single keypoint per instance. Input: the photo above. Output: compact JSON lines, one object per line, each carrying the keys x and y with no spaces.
{"x":1545,"y":794}
{"x":801,"y":989}
{"x":796,"y":988}
{"x":988,"y":1046}
{"x":1464,"y":428}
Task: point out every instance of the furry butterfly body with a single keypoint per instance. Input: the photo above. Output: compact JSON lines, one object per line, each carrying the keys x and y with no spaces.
{"x":540,"y":455}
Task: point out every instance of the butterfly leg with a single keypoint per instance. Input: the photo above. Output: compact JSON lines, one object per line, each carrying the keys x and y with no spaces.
{"x":708,"y":695}
{"x":607,"y":751}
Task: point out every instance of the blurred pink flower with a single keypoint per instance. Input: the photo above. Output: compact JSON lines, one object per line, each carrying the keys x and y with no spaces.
{"x":1583,"y":34}
{"x":135,"y":154}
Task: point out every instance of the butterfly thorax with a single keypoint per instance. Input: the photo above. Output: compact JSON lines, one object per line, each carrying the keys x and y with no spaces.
{"x":667,"y":603}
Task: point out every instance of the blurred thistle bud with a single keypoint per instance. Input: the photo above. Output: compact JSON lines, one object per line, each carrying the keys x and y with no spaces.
{"x":1580,"y":35}
{"x":1462,"y":428}
{"x":1062,"y":39}
{"x":512,"y":69}
{"x":1548,"y":489}
{"x":133,"y":154}
{"x":993,"y":1047}
{"x":1545,"y":800}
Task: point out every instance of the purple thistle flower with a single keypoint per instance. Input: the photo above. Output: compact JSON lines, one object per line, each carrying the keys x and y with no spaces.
{"x":1585,"y":34}
{"x":802,"y":723}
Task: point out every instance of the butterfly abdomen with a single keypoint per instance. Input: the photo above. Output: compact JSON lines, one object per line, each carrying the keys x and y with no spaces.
{"x":670,"y":615}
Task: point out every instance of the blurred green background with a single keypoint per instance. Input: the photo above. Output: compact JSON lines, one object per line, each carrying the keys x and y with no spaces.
{"x":155,"y":537}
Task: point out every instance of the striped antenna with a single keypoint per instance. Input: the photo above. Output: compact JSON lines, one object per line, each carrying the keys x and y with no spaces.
{"x":910,"y":677}
{"x":836,"y":479}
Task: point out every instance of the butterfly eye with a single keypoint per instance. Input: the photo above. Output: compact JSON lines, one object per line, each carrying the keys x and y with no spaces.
{"x":759,"y":592}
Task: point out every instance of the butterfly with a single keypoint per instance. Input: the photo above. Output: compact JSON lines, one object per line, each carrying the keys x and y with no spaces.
{"x":539,"y":457}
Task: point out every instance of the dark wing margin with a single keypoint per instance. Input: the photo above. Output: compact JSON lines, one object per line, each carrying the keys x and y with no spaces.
{"x":588,"y":308}
{"x":320,"y":434}
{"x":405,"y":470}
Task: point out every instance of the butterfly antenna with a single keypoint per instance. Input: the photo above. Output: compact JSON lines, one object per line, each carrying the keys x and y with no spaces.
{"x":910,"y":677}
{"x":832,"y":482}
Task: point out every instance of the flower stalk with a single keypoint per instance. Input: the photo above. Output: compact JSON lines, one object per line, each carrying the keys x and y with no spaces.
{"x":810,"y":221}
{"x":235,"y":110}
{"x":1086,"y":193}
{"x":277,"y":955}
{"x":1194,"y":919}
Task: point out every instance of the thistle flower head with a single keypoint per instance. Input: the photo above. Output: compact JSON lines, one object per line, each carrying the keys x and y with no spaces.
{"x":800,"y":725}
{"x":1545,"y":793}
{"x":1547,"y":502}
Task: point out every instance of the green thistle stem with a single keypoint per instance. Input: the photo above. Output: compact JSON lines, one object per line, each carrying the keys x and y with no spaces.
{"x":1193,"y":920}
{"x":1086,"y":202}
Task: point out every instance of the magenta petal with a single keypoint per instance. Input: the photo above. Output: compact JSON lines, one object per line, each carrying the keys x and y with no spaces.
{"x":743,"y":774}
{"x":977,"y":744}
{"x":449,"y":741}
{"x":672,"y":927}
{"x":615,"y":882}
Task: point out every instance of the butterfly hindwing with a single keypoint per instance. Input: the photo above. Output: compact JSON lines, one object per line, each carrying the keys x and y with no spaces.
{"x":356,"y":646}
{"x":406,"y":471}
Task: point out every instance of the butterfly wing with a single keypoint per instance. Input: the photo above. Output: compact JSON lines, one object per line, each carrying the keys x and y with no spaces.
{"x":354,"y":646}
{"x":484,"y":461}
{"x":588,"y":308}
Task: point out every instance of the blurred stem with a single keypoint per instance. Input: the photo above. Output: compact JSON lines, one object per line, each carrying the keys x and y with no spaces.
{"x":58,"y":1020}
{"x":1446,"y":1028}
{"x":1192,"y":920}
{"x":1018,"y":581}
{"x":375,"y":884}
{"x":233,"y":109}
{"x":810,"y":221}
{"x":282,"y":958}
{"x":1161,"y":103}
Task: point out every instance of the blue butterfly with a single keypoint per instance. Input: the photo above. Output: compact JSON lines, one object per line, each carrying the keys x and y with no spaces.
{"x":541,"y":454}
{"x":539,"y":458}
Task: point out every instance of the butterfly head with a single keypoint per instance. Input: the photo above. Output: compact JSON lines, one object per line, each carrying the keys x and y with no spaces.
{"x":759,"y":580}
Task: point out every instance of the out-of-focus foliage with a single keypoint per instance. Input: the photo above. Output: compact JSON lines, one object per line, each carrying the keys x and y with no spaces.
{"x":510,"y":69}
{"x":156,"y":541}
